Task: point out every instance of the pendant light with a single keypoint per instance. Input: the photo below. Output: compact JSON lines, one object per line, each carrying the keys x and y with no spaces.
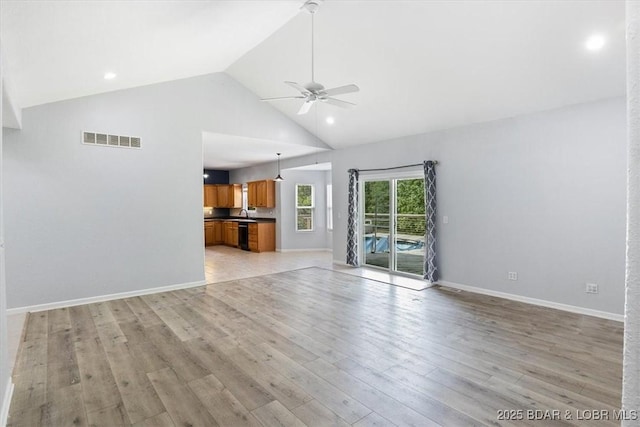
{"x":279,"y":178}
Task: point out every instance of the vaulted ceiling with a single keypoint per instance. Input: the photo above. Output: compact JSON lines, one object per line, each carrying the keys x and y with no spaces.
{"x":420,"y":65}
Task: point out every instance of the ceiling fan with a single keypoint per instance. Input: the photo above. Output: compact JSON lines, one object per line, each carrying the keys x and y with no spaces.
{"x":313,"y":91}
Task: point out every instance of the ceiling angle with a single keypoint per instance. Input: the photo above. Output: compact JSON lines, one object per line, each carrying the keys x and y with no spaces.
{"x":313,"y":91}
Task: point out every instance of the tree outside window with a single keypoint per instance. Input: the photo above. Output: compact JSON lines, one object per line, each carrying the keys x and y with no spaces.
{"x":304,"y":207}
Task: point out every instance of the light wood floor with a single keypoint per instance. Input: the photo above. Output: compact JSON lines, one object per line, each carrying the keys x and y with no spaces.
{"x":313,"y":347}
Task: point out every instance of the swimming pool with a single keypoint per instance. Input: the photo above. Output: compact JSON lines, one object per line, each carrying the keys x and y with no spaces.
{"x":382,"y":244}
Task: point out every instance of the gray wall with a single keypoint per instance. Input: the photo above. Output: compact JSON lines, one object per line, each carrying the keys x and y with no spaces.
{"x":542,"y":195}
{"x":86,"y":221}
{"x":4,"y":355}
{"x":302,"y":240}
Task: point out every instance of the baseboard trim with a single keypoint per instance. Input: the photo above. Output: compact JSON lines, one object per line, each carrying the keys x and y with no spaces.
{"x":306,"y":250}
{"x":535,"y":301}
{"x":102,"y":298}
{"x":342,"y":263}
{"x":4,"y":415}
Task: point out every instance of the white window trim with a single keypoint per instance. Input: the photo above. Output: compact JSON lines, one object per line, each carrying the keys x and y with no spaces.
{"x":329,"y":201}
{"x":312,"y":207}
{"x":245,"y":200}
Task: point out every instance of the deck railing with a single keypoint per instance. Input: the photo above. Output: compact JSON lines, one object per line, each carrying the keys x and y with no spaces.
{"x":411,"y":224}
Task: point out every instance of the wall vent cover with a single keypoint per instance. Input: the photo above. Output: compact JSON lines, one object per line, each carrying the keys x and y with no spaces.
{"x":106,"y":140}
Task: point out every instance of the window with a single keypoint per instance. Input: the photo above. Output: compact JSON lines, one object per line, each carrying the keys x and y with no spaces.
{"x":304,"y":207}
{"x":329,"y":207}
{"x":245,"y":199}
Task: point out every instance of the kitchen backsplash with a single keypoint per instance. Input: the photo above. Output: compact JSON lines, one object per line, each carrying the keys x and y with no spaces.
{"x":215,"y":212}
{"x":259,"y":213}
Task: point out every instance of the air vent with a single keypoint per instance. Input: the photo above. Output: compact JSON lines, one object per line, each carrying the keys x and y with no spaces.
{"x":107,"y":140}
{"x":89,"y":138}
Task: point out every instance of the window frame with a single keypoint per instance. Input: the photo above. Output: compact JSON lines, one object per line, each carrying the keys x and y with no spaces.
{"x":245,"y":200}
{"x":311,"y":208}
{"x":329,"y":201}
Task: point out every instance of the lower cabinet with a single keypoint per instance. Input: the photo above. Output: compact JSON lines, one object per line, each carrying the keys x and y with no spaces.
{"x":218,"y":235}
{"x":209,"y":233}
{"x":262,"y":237}
{"x":231,"y":233}
{"x":213,"y":233}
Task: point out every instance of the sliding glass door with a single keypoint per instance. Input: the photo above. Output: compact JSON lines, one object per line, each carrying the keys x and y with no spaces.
{"x":394,"y":224}
{"x":377,"y":208}
{"x":409,"y":226}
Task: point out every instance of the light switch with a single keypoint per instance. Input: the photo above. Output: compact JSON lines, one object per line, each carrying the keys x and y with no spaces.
{"x":445,"y":219}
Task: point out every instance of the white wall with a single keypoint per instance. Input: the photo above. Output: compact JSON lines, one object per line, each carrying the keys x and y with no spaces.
{"x":542,"y":195}
{"x":85,"y":221}
{"x":329,"y":233}
{"x":5,"y":375}
{"x":631,"y":362}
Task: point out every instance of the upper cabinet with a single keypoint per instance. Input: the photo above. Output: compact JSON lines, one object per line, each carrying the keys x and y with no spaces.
{"x":229,"y":196}
{"x":210,"y":193}
{"x":223,"y":195}
{"x":261,"y":194}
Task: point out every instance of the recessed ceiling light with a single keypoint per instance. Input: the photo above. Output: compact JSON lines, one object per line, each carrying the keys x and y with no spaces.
{"x":109,"y":76}
{"x":595,"y":42}
{"x":330,"y":120}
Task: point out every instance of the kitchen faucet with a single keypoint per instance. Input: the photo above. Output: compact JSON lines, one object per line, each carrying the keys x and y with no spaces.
{"x":245,"y":211}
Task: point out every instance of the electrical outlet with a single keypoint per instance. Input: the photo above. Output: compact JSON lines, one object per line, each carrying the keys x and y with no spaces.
{"x":512,"y":275}
{"x":591,"y":288}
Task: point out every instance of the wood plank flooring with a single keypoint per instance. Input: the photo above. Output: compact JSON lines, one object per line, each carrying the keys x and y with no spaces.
{"x":315,"y":347}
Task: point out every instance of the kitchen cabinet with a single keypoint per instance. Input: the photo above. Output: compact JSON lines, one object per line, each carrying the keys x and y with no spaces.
{"x":210,"y":195}
{"x":229,"y":196}
{"x":209,"y":232}
{"x":252,"y":193}
{"x":218,"y":236}
{"x":231,"y":233}
{"x":261,"y":194}
{"x":262,"y":237}
{"x":213,"y":233}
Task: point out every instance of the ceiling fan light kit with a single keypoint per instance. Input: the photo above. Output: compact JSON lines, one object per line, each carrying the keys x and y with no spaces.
{"x":313,"y":91}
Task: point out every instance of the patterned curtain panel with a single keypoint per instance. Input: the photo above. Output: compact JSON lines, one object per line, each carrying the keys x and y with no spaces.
{"x":352,"y":220}
{"x":430,"y":269}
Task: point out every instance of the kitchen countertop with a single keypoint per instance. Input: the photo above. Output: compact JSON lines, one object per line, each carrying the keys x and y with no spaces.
{"x":241,"y":219}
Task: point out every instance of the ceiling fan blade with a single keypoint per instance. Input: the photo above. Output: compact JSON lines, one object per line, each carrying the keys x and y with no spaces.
{"x":297,"y":87}
{"x":341,"y":90}
{"x":337,"y":102}
{"x":282,"y":97}
{"x":305,"y":107}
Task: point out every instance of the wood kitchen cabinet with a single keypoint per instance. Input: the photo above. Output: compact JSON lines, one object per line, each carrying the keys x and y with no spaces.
{"x":210,"y":195}
{"x":231,"y":233}
{"x":213,"y":233}
{"x":209,"y":233}
{"x":262,"y":237}
{"x":229,"y":195}
{"x":261,"y":194}
{"x":252,"y":193}
{"x":218,"y":235}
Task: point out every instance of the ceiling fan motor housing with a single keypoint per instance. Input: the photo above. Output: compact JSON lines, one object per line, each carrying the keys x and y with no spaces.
{"x":312,"y":6}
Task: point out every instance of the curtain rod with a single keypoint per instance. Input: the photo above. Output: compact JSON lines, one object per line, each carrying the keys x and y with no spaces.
{"x":435,"y":162}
